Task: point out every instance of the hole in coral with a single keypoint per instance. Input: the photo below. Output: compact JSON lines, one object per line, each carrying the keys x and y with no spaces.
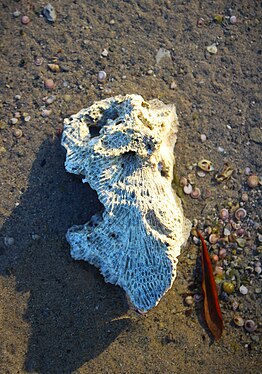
{"x":94,"y":130}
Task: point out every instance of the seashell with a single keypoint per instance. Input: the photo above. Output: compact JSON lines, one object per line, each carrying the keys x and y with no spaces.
{"x":224,"y":214}
{"x":198,"y":297}
{"x":253,"y":181}
{"x":196,"y":193}
{"x":101,"y":76}
{"x":201,"y":174}
{"x":136,"y":243}
{"x":17,"y":133}
{"x":205,"y":165}
{"x":250,"y":325}
{"x":222,"y":253}
{"x":25,"y":20}
{"x":213,"y":238}
{"x":38,"y":61}
{"x":54,"y":68}
{"x":240,"y":214}
{"x":214,"y":258}
{"x":228,"y":287}
{"x":188,"y":189}
{"x":219,"y":271}
{"x":238,"y":321}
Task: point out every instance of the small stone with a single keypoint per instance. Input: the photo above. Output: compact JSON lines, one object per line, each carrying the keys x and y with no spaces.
{"x":256,"y":135}
{"x":35,"y":237}
{"x":67,"y":98}
{"x":49,"y":84}
{"x":173,"y":85}
{"x":203,"y":137}
{"x":189,"y":300}
{"x":221,"y":149}
{"x":163,"y":54}
{"x":17,"y":97}
{"x":244,"y":197}
{"x":104,"y":53}
{"x":112,"y":22}
{"x":258,"y":269}
{"x":38,"y":61}
{"x":27,"y":118}
{"x":253,"y":181}
{"x":55,"y":68}
{"x":8,"y":241}
{"x":16,"y":13}
{"x":13,"y":121}
{"x":46,"y":113}
{"x":25,"y":20}
{"x":50,"y":99}
{"x":228,"y":287}
{"x":233,"y":20}
{"x":49,"y":13}
{"x":212,"y":49}
{"x":243,"y":290}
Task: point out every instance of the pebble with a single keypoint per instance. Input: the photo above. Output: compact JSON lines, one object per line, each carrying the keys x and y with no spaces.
{"x":212,"y":49}
{"x":101,"y":76}
{"x":9,"y":240}
{"x":203,"y":138}
{"x":258,"y":269}
{"x":104,"y":53}
{"x":50,"y":100}
{"x":17,"y":97}
{"x":243,"y":290}
{"x":46,"y":113}
{"x":222,"y":253}
{"x":49,"y":13}
{"x":25,"y":20}
{"x":17,"y":13}
{"x":49,"y":84}
{"x":17,"y":115}
{"x":253,"y":181}
{"x":13,"y":121}
{"x":189,"y":300}
{"x":188,"y":189}
{"x":244,"y":197}
{"x":67,"y":98}
{"x":200,"y":22}
{"x":173,"y":85}
{"x":233,"y":20}
{"x":247,"y":170}
{"x":227,"y":231}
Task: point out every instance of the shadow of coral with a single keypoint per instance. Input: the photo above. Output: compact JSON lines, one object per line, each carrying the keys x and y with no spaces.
{"x":72,"y":313}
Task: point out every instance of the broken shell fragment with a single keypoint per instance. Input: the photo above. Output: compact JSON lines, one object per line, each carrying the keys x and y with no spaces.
{"x":225,"y":173}
{"x":213,"y":238}
{"x":205,"y":165}
{"x":212,"y":49}
{"x":136,"y":241}
{"x":224,"y":214}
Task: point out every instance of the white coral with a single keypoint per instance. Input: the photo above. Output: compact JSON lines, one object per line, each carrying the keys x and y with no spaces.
{"x":123,"y":146}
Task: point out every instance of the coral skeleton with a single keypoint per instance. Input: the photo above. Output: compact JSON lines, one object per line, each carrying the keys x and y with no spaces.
{"x":123,"y":147}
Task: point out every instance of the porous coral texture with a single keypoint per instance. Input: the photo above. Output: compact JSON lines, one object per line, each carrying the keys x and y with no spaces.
{"x":123,"y":147}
